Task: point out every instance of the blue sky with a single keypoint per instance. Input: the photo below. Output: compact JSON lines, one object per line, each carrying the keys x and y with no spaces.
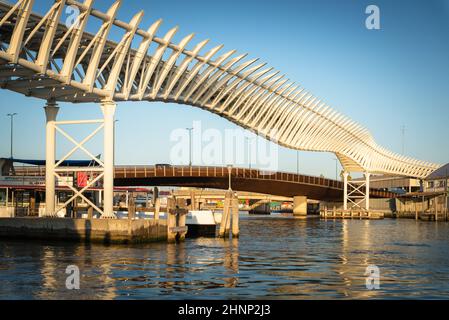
{"x":383,"y":79}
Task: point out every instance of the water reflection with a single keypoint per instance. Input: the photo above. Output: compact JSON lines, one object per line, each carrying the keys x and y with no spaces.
{"x":274,"y":258}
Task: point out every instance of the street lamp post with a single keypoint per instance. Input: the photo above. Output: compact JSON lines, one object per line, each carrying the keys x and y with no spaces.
{"x":229,"y":176}
{"x":190,"y":145}
{"x":297,"y":162}
{"x":12,"y":115}
{"x":249,"y":151}
{"x":336,"y":169}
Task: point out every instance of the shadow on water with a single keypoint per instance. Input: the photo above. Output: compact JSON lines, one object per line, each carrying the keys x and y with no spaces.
{"x":273,"y":258}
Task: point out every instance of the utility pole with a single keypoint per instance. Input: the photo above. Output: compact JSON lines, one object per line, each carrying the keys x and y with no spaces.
{"x":12,"y":115}
{"x":190,"y":145}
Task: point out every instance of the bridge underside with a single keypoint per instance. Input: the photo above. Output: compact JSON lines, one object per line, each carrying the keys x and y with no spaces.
{"x":277,"y":188}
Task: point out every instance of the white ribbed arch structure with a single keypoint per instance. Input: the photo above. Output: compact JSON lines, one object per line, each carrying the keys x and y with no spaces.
{"x":43,"y":58}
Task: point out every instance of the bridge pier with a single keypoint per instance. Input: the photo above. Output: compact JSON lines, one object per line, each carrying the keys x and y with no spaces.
{"x":354,"y":193}
{"x":105,"y":170}
{"x":108,"y":108}
{"x":300,"y":206}
{"x":51,"y":112}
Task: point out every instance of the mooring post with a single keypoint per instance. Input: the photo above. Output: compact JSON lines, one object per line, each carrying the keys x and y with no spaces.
{"x":182,"y":217}
{"x":436,"y":208}
{"x":416,"y":211}
{"x":171,"y":224}
{"x":157,"y":203}
{"x":226,"y":218}
{"x":235,"y":217}
{"x":176,"y":221}
{"x":192,"y":200}
{"x":132,"y":207}
{"x":90,"y":213}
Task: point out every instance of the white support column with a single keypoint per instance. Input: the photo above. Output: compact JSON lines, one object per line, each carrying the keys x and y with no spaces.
{"x":51,"y":112}
{"x":108,"y":108}
{"x":367,"y":175}
{"x":345,"y":190}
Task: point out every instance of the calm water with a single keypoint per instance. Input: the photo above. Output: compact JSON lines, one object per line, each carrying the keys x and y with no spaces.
{"x":275,"y":258}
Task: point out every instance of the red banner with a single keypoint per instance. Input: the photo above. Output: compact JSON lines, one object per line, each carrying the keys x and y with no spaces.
{"x":81,"y":178}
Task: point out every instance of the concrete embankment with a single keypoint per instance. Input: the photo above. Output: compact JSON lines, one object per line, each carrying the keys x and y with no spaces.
{"x":88,"y":230}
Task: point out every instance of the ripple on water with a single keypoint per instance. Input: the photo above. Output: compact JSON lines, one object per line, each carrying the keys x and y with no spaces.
{"x":275,"y":258}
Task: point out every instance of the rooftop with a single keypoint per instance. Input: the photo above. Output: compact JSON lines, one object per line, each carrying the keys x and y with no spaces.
{"x":441,"y":173}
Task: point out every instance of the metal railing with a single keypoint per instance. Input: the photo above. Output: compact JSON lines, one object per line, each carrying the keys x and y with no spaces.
{"x":129,"y":172}
{"x":199,"y":171}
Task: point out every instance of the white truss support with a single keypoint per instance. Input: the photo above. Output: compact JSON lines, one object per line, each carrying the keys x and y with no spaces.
{"x":80,"y":193}
{"x":345,"y":190}
{"x":108,"y":108}
{"x":79,"y":146}
{"x":51,"y":112}
{"x":367,"y":189}
{"x":15,"y":45}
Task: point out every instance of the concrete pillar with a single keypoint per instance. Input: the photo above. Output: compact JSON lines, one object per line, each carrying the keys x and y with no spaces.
{"x":108,"y":108}
{"x":367,"y":186}
{"x":300,"y":206}
{"x":51,"y":112}
{"x":345,"y":190}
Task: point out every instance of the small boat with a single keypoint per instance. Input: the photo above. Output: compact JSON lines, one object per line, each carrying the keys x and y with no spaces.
{"x":202,"y":223}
